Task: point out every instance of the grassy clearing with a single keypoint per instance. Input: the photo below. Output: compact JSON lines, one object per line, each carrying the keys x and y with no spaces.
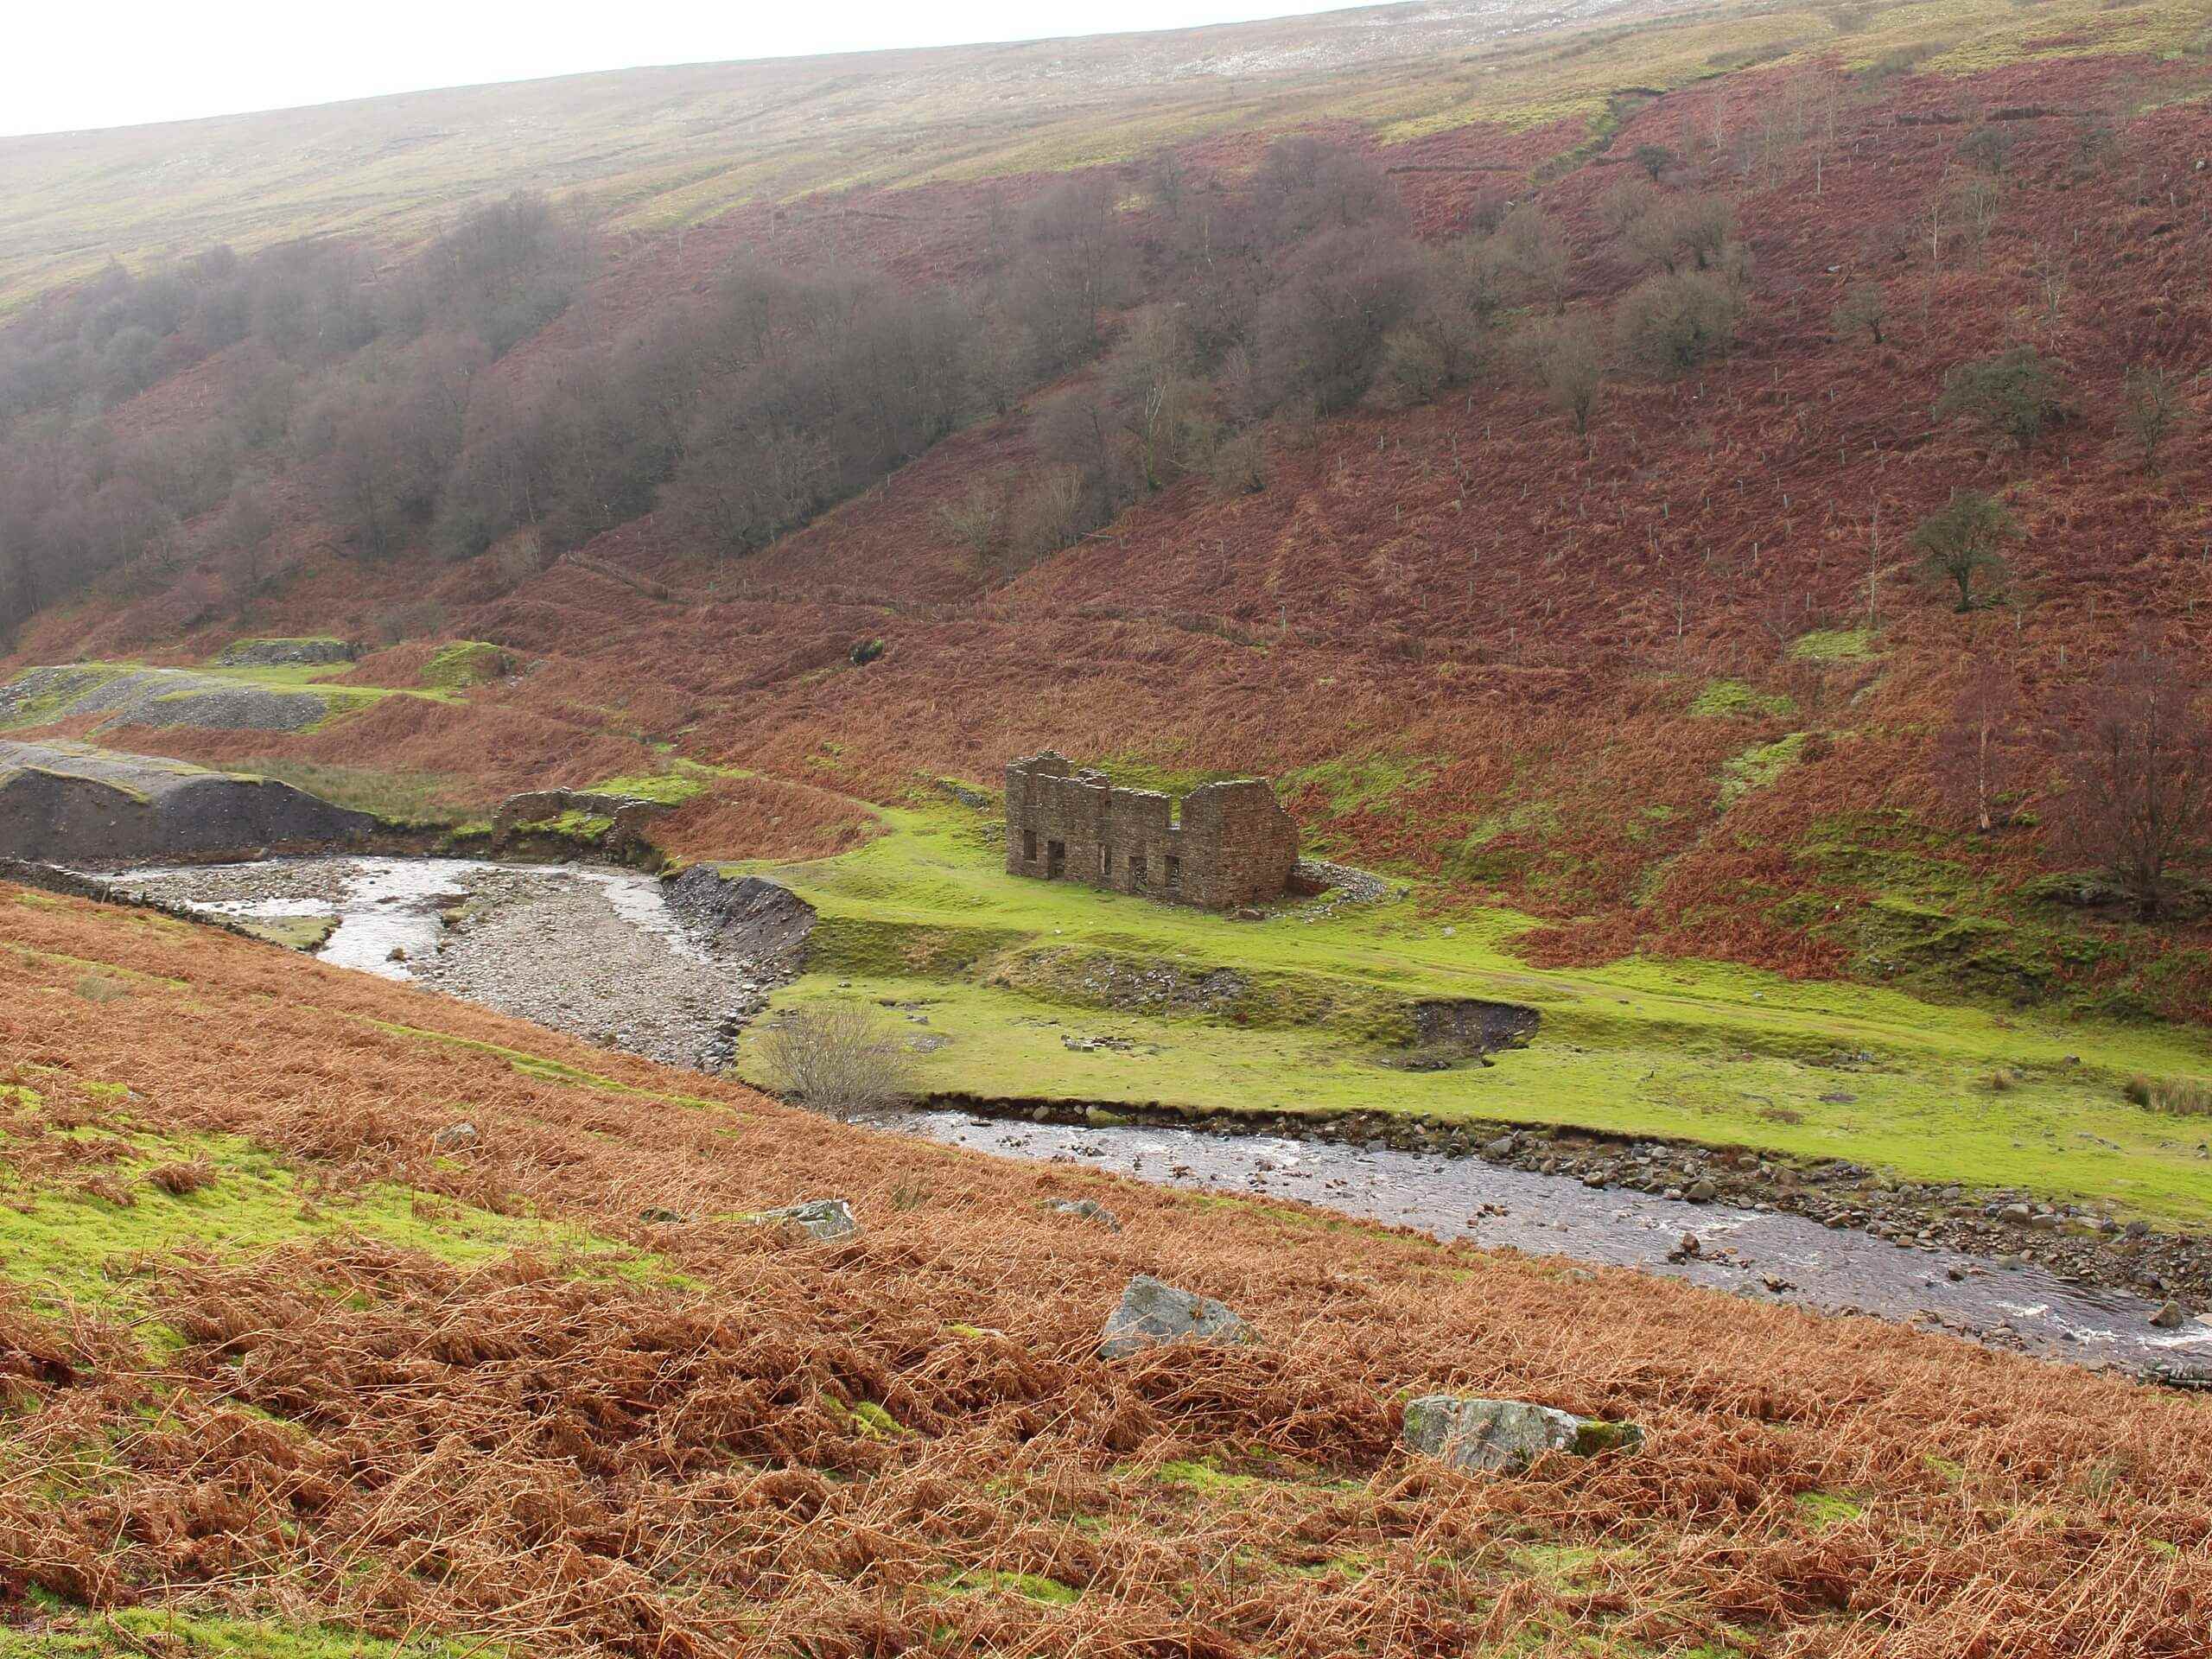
{"x":402,"y":796}
{"x":178,"y":1635}
{"x":1833,"y":645}
{"x":925,"y":916}
{"x":64,"y":1244}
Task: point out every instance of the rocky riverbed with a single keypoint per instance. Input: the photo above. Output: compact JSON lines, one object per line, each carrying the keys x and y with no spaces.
{"x":2009,"y":1228}
{"x":598,"y":953}
{"x":1746,"y":1248}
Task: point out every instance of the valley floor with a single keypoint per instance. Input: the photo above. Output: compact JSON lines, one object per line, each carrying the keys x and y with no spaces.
{"x":1059,"y":993}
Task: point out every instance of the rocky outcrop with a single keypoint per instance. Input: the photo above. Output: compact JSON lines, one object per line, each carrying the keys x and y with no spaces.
{"x":1152,"y":1313}
{"x":617,"y":823}
{"x":285,"y":653}
{"x":71,"y":803}
{"x":160,"y":697}
{"x":748,"y":920}
{"x":1470,"y":1432}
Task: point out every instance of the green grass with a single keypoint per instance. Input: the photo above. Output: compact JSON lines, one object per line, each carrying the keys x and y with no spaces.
{"x":1697,"y":1051}
{"x":1032,"y":1586}
{"x":466,"y":663}
{"x":1729,"y":699}
{"x":669,"y":788}
{"x":1757,"y":767}
{"x":177,"y":1635}
{"x":1833,"y":645}
{"x":62,"y":1244}
{"x":415,"y":797}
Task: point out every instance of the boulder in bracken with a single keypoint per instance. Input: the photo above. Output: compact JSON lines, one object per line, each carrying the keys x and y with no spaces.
{"x":822,"y":1219}
{"x":1470,"y":1432}
{"x":1152,"y":1313}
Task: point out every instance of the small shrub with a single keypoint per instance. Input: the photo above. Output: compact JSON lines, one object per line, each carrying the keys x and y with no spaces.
{"x":1671,"y":324}
{"x":1989,"y":148}
{"x":1047,"y":516}
{"x":2016,"y":394}
{"x":976,"y":520}
{"x":2151,"y":409}
{"x":1960,"y":543}
{"x":179,"y":1178}
{"x":1239,"y":467}
{"x":2183,"y":1097}
{"x":838,"y":1059}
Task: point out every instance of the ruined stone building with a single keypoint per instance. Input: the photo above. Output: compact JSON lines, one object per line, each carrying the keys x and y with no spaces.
{"x":1230,"y":845}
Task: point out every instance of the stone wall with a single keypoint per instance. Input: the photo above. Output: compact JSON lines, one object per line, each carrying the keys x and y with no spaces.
{"x":1232,"y":844}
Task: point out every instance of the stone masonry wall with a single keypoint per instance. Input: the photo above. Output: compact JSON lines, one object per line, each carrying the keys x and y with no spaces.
{"x":1233,"y":845}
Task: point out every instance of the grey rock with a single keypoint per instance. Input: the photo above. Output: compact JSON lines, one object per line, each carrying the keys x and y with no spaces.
{"x":1504,"y":1147}
{"x":2170,"y":1317}
{"x":454,"y":1137}
{"x":1152,"y":1313}
{"x":822,"y":1219}
{"x":1472,"y":1433}
{"x":661,"y":1217}
{"x":1703,"y":1190}
{"x":2018,"y":1214}
{"x":1085,"y":1210}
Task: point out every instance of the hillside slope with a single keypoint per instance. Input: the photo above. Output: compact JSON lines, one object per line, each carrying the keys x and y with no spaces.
{"x":289,"y":1361}
{"x":1678,"y":686}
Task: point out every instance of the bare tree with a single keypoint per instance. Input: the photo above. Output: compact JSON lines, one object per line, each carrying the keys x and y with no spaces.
{"x":2151,"y":411}
{"x":1960,"y":542}
{"x":1863,"y":308}
{"x":1571,"y":367}
{"x":2135,"y":753}
{"x":1985,"y":751}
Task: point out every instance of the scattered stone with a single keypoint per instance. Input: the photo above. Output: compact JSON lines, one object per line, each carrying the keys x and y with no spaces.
{"x":454,"y":1137}
{"x":1152,"y":1313}
{"x":2171,"y":1316}
{"x":1506,"y":1434}
{"x":1085,"y":1210}
{"x":1504,"y":1147}
{"x":2180,"y":1374}
{"x":820,"y":1218}
{"x":1687,"y":1247}
{"x":1703,"y":1190}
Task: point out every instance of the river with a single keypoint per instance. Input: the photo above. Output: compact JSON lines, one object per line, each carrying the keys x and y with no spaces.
{"x":598,"y":953}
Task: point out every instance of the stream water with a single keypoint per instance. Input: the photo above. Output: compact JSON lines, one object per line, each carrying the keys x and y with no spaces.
{"x":593,"y":940}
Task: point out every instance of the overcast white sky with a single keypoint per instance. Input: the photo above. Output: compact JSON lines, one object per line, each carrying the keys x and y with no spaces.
{"x":80,"y":63}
